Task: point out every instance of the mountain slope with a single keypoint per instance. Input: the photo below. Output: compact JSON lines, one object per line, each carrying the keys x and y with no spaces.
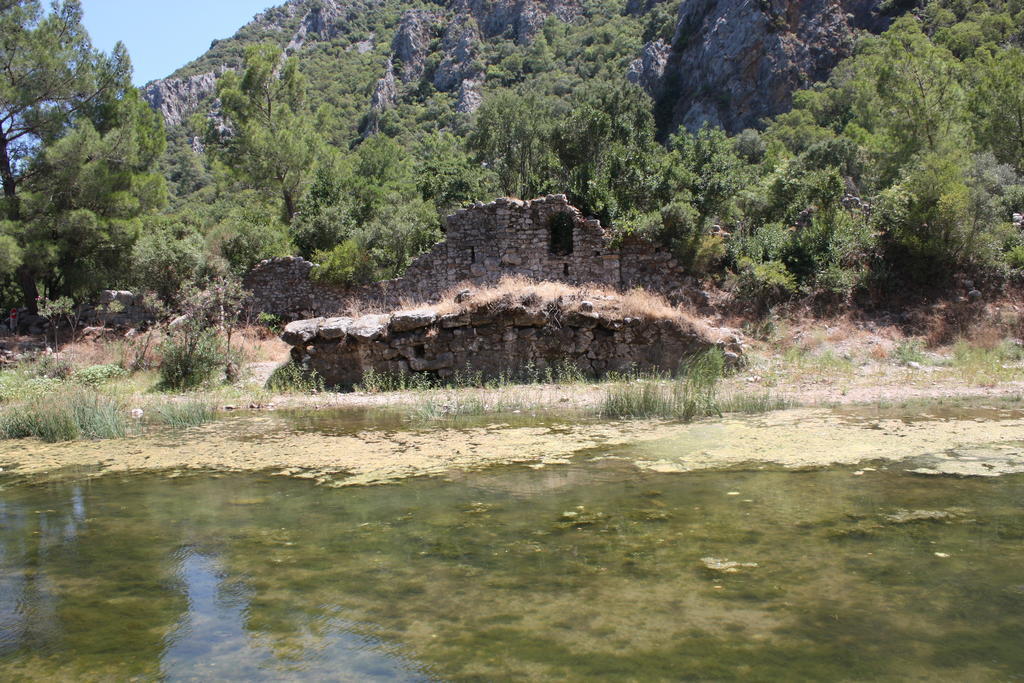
{"x":729,"y":62}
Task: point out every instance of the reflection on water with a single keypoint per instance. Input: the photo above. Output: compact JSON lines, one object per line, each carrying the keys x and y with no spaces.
{"x":580,"y":571}
{"x":211,"y":640}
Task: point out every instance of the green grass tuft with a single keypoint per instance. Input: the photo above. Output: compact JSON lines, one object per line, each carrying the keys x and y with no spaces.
{"x":184,"y":414}
{"x":66,"y":416}
{"x":693,"y":394}
{"x":292,"y":378}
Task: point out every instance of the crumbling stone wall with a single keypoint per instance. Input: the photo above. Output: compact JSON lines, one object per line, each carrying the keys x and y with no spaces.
{"x":493,"y":342}
{"x":543,"y":239}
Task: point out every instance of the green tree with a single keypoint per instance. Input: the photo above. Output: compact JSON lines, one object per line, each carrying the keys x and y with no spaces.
{"x":75,"y":147}
{"x":512,"y":138}
{"x":167,"y":255}
{"x":712,"y":167}
{"x":249,"y":233}
{"x":447,"y":176}
{"x":83,"y":212}
{"x":918,"y":83}
{"x":946,"y":212}
{"x":269,"y":136}
{"x":609,"y":162}
{"x":997,"y":103}
{"x":325,"y":215}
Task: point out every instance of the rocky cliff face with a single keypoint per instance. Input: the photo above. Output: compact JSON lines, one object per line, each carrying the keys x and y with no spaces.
{"x":520,"y":19}
{"x":730,"y":62}
{"x":461,"y":27}
{"x":734,"y":62}
{"x":301,"y":22}
{"x":178,"y":98}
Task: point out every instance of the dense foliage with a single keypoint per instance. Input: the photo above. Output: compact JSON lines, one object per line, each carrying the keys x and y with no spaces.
{"x":901,"y":170}
{"x":76,"y":147}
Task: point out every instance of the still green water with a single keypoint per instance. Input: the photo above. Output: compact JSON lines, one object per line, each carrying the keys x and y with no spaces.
{"x":583,"y":571}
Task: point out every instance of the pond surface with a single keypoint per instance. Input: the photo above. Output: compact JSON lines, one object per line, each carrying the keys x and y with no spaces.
{"x":592,"y":569}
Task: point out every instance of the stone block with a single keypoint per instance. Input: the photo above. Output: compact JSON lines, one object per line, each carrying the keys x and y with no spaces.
{"x":369,"y":327}
{"x":300,"y":332}
{"x":404,"y":321}
{"x":334,"y":328}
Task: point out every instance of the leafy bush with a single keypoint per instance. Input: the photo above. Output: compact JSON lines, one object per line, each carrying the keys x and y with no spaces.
{"x":1015,"y":257}
{"x":765,"y":283}
{"x":190,"y":360}
{"x":270,"y":321}
{"x":250,"y":234}
{"x":166,"y":254}
{"x":95,"y":375}
{"x":15,"y":386}
{"x":199,"y":343}
{"x":347,"y":264}
{"x":292,"y":378}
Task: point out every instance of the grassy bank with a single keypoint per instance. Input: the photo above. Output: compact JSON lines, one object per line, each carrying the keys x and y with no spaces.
{"x":86,"y":393}
{"x":69,"y":413}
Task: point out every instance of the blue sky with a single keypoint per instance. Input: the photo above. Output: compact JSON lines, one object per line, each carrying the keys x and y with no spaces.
{"x":163,"y":35}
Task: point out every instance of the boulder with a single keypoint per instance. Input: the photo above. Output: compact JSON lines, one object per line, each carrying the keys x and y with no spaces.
{"x":109,"y":296}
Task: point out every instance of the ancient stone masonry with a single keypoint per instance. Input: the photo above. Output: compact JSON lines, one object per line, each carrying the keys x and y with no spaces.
{"x":492,"y":341}
{"x":543,"y":239}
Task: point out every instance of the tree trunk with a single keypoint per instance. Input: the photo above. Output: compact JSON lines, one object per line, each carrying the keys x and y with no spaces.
{"x":289,"y":205}
{"x":9,"y":182}
{"x":29,"y":290}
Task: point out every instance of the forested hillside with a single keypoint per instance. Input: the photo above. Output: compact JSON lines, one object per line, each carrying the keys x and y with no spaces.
{"x":843,"y":149}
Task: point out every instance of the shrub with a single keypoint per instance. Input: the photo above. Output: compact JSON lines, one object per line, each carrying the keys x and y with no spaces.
{"x":1015,"y":257}
{"x":270,"y":321}
{"x":909,"y":351}
{"x":292,"y":378}
{"x":95,"y":375}
{"x":51,"y":366}
{"x":190,"y":360}
{"x":765,"y":283}
{"x":320,"y":228}
{"x":249,"y":234}
{"x":195,"y":347}
{"x":347,"y":264}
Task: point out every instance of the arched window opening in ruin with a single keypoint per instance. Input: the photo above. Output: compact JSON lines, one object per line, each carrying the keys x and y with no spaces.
{"x":560,"y":225}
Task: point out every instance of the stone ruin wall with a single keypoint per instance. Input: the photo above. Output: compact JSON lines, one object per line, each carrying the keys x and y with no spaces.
{"x":483,"y":243}
{"x":342,"y":349}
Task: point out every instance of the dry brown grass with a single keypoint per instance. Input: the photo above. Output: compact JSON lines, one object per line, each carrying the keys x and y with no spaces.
{"x":520,"y":292}
{"x":987,"y":335}
{"x":86,"y":353}
{"x":881,"y":350}
{"x":258,"y":347}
